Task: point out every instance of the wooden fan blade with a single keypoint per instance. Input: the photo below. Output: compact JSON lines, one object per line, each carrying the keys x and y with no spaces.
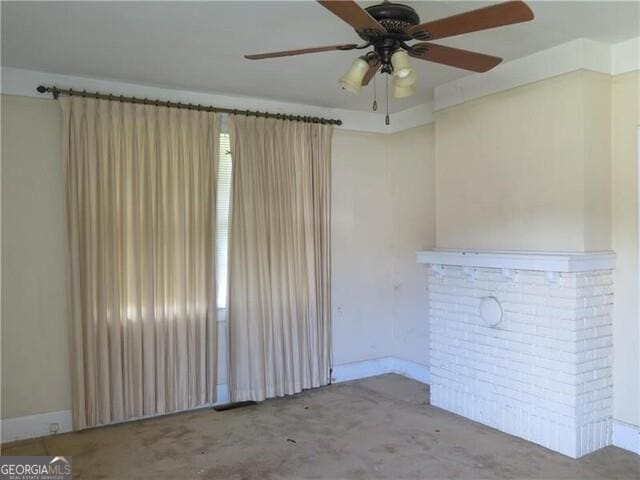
{"x":374,"y":66}
{"x":454,"y":57}
{"x":303,"y":51}
{"x":492,"y":16}
{"x":353,"y":14}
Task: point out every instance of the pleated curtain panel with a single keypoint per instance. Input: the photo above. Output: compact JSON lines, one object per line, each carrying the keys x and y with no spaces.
{"x":279,"y":257}
{"x":140,"y":188}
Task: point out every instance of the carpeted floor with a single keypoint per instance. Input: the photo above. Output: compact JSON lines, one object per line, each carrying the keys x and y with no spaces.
{"x":381,"y":427}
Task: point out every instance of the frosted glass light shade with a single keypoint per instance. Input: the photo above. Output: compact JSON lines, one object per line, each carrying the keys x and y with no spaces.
{"x":352,"y":80}
{"x":401,"y":65}
{"x":407,"y":81}
{"x":402,"y":92}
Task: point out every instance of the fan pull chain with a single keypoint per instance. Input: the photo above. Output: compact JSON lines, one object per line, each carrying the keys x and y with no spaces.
{"x":375,"y":101}
{"x":386,"y":118}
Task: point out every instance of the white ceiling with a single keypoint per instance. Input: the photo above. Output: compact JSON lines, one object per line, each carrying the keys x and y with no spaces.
{"x":200,"y":45}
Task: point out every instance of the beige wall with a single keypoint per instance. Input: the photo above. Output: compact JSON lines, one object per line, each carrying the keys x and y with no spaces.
{"x":383,"y":212}
{"x":360,"y":240}
{"x":596,"y":105}
{"x":526,"y":169}
{"x":412,"y":164}
{"x":35,"y":346}
{"x":625,"y":108}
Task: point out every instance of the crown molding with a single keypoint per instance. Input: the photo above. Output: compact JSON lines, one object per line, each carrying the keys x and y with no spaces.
{"x":625,"y":56}
{"x":579,"y":54}
{"x":411,"y":118}
{"x":22,"y":82}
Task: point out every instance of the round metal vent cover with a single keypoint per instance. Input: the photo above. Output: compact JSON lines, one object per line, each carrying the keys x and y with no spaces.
{"x":491,"y":311}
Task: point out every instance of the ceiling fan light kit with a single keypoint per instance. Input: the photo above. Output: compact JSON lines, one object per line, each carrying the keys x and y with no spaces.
{"x":352,"y":80}
{"x":405,"y":81}
{"x":403,"y":92}
{"x":401,"y":64}
{"x":388,"y":26}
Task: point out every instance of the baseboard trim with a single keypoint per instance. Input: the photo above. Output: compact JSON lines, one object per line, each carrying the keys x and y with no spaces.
{"x":410,"y":369}
{"x":33,"y":426}
{"x":379,"y":366}
{"x":362,"y":369}
{"x":626,"y":436}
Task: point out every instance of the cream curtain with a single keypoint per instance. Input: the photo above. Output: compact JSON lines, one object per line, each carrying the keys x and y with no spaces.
{"x":140,"y":186}
{"x":279,"y":264}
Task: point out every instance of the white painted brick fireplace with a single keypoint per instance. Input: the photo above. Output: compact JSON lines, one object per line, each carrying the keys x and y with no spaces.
{"x":544,"y":372}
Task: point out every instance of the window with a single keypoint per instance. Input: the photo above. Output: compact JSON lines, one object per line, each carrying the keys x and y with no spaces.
{"x":222,"y":218}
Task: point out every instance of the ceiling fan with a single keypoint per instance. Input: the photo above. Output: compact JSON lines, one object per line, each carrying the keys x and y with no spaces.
{"x":388,"y":26}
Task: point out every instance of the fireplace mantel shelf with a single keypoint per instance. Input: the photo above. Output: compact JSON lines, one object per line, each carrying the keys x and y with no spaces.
{"x":521,"y":260}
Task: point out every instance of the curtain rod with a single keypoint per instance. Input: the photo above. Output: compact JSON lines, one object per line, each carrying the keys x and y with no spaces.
{"x":56,"y":92}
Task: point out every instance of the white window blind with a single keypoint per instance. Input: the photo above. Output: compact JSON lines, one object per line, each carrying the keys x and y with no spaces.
{"x":222,"y":218}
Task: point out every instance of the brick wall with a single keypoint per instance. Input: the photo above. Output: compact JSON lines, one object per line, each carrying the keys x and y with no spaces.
{"x":544,"y":373}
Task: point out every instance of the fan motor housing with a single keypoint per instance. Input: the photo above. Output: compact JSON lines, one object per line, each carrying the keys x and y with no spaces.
{"x":394,"y":17}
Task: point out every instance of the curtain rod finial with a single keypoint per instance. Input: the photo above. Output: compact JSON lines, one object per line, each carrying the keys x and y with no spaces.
{"x":42,"y":89}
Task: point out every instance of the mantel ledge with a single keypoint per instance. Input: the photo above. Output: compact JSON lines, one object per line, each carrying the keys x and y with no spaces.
{"x":521,"y":260}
